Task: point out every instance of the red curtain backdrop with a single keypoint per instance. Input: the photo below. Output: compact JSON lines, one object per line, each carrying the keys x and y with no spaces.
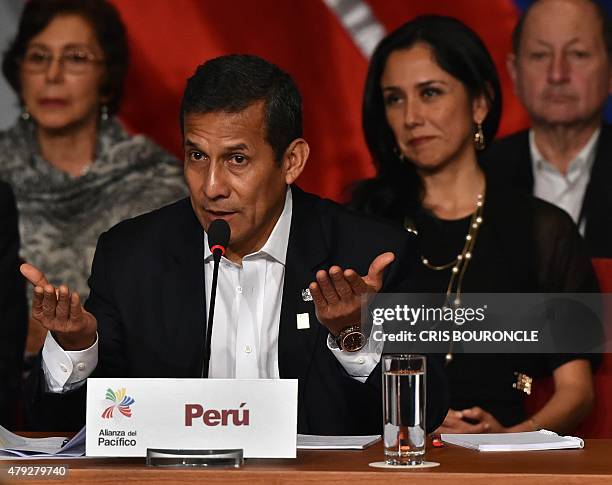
{"x":168,"y":39}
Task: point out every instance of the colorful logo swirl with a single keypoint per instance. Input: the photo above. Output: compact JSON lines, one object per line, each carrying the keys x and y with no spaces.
{"x":120,"y":400}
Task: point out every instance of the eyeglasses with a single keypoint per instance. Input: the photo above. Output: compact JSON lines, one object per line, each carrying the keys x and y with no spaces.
{"x":74,"y":61}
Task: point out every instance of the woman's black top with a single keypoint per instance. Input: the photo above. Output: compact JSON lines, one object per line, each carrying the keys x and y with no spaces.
{"x":524,"y":245}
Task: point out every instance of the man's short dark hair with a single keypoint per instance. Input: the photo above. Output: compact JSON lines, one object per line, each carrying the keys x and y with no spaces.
{"x":602,"y":15}
{"x":108,"y":29}
{"x":233,"y":83}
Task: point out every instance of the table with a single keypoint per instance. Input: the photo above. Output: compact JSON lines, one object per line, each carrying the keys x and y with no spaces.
{"x":591,"y":465}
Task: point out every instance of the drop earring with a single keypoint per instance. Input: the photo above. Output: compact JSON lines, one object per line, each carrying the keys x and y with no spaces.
{"x":399,"y":154}
{"x":479,"y":138}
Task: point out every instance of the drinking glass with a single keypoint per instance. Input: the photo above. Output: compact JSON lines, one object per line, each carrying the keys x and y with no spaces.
{"x":404,"y":408}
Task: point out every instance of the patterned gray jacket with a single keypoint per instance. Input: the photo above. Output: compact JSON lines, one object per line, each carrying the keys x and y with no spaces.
{"x":61,"y":216}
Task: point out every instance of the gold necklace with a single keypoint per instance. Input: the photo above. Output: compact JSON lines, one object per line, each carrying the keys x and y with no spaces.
{"x":458,"y":265}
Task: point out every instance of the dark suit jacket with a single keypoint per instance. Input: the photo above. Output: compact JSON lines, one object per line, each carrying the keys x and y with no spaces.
{"x":509,"y":160}
{"x":147,"y":287}
{"x":13,"y":307}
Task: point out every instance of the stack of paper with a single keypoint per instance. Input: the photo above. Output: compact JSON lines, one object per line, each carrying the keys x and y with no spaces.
{"x":531,"y":441}
{"x":12,"y":445}
{"x":315,"y":442}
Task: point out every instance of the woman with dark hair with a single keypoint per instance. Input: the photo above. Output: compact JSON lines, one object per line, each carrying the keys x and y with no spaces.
{"x":432,"y":101}
{"x":74,"y":170}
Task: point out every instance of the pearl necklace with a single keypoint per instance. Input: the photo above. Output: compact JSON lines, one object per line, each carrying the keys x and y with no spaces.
{"x":459,"y":264}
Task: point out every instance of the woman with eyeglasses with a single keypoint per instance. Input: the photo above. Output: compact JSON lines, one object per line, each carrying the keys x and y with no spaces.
{"x":74,"y":170}
{"x":432,"y":101}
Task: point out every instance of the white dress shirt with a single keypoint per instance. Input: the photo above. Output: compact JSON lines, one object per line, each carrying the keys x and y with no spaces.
{"x":565,"y":191}
{"x":246,"y":322}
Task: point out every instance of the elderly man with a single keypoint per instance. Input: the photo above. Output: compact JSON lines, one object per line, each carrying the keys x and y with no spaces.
{"x":561,"y":69}
{"x":146,"y":314}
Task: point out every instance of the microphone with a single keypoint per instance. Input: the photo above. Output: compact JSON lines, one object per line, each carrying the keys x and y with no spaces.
{"x":218,"y":238}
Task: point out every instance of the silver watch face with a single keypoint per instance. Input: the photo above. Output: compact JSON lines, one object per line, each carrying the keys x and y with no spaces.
{"x":353,"y":341}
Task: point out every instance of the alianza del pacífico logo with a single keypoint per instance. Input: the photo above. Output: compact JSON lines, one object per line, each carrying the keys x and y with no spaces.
{"x":121,"y":401}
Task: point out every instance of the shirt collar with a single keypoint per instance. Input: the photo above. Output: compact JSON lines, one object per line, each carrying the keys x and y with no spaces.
{"x":582,"y":162}
{"x":276,"y":245}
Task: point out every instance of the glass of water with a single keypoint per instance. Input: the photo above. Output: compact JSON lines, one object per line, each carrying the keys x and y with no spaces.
{"x":404,"y":408}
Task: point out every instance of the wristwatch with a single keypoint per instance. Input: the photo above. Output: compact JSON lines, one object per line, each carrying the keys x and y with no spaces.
{"x":350,"y":339}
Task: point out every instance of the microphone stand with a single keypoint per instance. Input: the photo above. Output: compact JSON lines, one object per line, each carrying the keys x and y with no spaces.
{"x":211,"y":313}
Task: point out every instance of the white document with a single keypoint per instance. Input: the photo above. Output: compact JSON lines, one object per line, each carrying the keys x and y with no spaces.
{"x":12,"y":445}
{"x":530,"y":441}
{"x":316,"y":442}
{"x":127,"y":416}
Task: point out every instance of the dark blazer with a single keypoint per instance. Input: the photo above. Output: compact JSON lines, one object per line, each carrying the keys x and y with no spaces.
{"x":147,"y":287}
{"x":13,"y":307}
{"x":508,"y":160}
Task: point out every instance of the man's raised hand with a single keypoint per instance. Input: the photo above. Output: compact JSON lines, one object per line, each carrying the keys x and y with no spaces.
{"x":337,"y":293}
{"x":60,"y":311}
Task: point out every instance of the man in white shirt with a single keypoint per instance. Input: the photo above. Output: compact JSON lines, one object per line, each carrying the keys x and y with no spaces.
{"x":278,"y":314}
{"x":561,"y":70}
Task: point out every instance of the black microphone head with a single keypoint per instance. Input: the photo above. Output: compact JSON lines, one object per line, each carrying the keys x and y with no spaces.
{"x":218,"y":236}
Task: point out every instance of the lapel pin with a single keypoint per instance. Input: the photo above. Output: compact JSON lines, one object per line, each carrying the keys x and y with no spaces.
{"x":306,"y":296}
{"x":303,"y":321}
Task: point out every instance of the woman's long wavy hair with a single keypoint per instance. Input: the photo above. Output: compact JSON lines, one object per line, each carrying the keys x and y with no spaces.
{"x":397,"y":190}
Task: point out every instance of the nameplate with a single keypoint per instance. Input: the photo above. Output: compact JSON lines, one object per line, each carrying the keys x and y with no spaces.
{"x":127,"y":416}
